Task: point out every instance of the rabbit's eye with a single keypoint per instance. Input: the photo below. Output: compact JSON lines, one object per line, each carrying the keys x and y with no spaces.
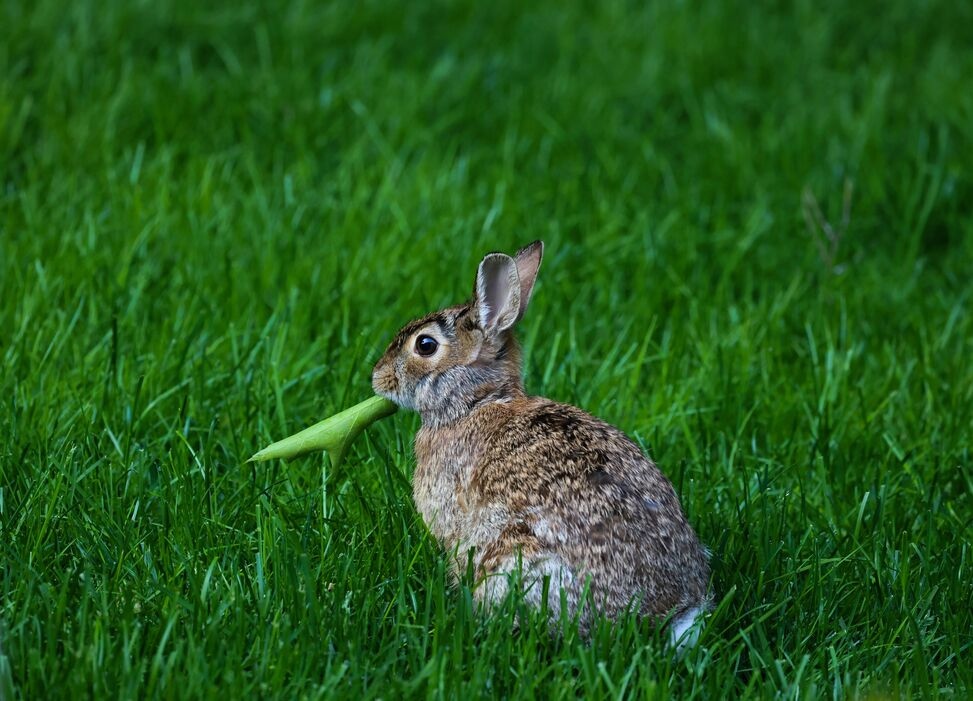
{"x":426,"y":346}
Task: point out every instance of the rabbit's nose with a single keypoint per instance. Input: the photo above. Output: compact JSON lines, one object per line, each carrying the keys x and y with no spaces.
{"x":383,"y":380}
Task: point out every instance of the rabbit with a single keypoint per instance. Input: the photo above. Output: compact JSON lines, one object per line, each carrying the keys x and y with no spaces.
{"x":531,"y":491}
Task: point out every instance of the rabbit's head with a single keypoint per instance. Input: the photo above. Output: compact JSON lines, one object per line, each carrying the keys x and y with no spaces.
{"x":447,"y":363}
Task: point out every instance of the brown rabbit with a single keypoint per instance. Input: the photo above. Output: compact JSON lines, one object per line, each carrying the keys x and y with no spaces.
{"x":527,"y":485}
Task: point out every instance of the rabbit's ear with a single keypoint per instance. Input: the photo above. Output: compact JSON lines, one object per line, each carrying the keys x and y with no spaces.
{"x":528,"y":263}
{"x":497,"y":293}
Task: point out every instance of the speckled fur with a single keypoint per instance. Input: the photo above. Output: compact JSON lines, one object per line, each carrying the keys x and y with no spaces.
{"x":527,"y":485}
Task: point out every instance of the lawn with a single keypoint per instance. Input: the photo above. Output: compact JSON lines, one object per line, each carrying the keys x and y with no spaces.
{"x":214,"y":217}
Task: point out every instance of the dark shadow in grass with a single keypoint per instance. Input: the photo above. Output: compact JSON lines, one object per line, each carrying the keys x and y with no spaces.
{"x":6,"y":675}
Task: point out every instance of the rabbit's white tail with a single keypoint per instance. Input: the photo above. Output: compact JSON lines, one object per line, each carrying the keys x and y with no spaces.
{"x":684,"y":629}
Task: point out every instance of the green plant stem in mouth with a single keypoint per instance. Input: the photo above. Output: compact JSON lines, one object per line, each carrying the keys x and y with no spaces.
{"x":333,"y":435}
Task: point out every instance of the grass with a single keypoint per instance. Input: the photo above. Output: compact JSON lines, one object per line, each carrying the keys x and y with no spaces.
{"x":214,"y":216}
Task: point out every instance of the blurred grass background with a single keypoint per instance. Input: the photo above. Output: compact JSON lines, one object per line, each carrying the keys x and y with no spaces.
{"x":214,"y":216}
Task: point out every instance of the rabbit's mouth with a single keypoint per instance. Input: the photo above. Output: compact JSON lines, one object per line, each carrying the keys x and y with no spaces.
{"x":397,"y":398}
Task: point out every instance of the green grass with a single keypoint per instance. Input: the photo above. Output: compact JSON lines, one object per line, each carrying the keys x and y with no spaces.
{"x":213,"y":220}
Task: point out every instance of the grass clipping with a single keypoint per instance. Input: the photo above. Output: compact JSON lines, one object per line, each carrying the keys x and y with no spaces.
{"x":333,"y":435}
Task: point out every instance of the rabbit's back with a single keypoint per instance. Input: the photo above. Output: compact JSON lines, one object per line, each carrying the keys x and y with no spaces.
{"x":568,"y":495}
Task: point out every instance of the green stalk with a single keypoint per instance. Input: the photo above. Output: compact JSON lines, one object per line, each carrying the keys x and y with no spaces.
{"x":333,"y":435}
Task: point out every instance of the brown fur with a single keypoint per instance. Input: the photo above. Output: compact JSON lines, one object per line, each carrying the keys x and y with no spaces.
{"x":524,"y":484}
